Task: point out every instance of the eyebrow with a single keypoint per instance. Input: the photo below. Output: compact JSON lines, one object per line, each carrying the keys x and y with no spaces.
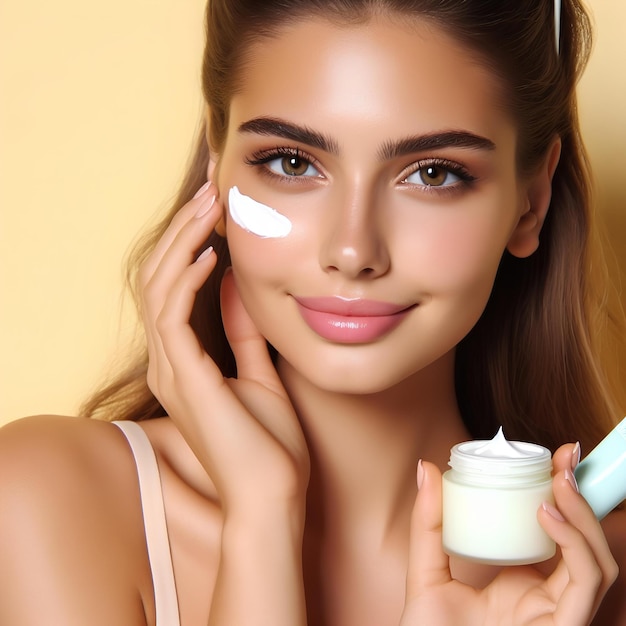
{"x":272,"y":126}
{"x":435,"y":141}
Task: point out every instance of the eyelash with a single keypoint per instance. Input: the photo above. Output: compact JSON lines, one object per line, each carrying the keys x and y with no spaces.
{"x":458,"y":170}
{"x":262,"y":157}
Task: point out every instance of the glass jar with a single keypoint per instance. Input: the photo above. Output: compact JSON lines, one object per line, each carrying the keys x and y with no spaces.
{"x":491,"y":496}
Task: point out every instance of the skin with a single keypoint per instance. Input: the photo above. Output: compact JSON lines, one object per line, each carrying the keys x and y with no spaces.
{"x":318,"y":501}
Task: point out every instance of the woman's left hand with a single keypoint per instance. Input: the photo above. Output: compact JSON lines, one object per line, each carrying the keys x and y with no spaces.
{"x":520,"y":595}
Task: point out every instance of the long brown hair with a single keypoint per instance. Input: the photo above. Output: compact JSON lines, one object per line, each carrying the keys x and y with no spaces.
{"x":531,"y":362}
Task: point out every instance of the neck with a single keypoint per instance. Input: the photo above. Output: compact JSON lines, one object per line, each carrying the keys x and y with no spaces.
{"x":364,"y":449}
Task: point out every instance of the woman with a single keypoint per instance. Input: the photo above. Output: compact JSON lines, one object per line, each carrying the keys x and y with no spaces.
{"x":401,"y":190}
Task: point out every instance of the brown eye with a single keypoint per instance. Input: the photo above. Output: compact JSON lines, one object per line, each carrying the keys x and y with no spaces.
{"x":285,"y":163}
{"x":294,"y":165}
{"x":433,"y":175}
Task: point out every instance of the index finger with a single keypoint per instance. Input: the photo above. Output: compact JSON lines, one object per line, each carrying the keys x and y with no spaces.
{"x":566,"y":457}
{"x":202,"y":201}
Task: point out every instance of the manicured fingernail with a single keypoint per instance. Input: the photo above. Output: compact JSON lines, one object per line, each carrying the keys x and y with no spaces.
{"x":207,"y":253}
{"x":576,"y":456}
{"x":202,"y":189}
{"x":420,"y":474}
{"x":552,"y":511}
{"x":205,"y":207}
{"x":569,"y":476}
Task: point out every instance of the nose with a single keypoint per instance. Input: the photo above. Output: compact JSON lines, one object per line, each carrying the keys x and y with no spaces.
{"x":355,"y":242}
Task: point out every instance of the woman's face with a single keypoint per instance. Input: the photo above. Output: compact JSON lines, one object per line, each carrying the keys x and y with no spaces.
{"x":387,"y":153}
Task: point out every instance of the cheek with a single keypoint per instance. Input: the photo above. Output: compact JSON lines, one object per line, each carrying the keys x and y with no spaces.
{"x":272,"y":260}
{"x":266,"y":273}
{"x":457,"y":253}
{"x":259,"y":264}
{"x":253,"y":256}
{"x":261,"y":238}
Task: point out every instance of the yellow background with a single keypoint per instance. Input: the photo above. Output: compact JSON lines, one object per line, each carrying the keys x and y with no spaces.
{"x":98,"y":105}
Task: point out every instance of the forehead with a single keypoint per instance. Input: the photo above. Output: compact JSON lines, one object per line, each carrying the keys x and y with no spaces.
{"x":381,"y":75}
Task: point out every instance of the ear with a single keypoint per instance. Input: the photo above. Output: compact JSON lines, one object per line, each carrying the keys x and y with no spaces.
{"x":536,"y":200}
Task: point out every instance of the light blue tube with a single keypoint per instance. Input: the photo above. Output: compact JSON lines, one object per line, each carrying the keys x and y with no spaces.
{"x":601,"y":475}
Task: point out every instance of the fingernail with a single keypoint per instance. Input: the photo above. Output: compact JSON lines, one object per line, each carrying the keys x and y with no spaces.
{"x":207,"y":253}
{"x":552,"y":511}
{"x":576,"y":456}
{"x":202,"y":189}
{"x":569,"y":476}
{"x":205,"y":207}
{"x":420,"y":474}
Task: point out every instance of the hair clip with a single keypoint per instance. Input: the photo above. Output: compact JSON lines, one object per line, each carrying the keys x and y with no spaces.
{"x":557,"y":25}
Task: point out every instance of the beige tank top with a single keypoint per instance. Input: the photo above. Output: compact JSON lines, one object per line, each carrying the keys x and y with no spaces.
{"x":157,"y":539}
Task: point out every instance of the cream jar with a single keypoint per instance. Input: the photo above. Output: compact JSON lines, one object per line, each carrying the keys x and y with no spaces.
{"x":491,"y":496}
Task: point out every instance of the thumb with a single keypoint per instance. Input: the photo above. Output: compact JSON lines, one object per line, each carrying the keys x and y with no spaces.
{"x":248,"y":345}
{"x":429,"y":565}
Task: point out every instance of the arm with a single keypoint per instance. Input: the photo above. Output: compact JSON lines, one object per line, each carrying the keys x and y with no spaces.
{"x":260,"y":574}
{"x":243,"y":431}
{"x":71,"y":543}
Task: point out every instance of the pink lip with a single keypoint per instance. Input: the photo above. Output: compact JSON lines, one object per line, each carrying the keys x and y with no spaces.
{"x":350,"y":321}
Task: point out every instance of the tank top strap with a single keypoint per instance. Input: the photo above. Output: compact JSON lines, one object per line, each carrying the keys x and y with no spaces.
{"x":157,"y":539}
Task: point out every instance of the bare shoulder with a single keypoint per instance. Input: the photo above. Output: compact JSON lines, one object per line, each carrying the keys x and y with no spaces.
{"x":613,"y":609}
{"x":71,"y":533}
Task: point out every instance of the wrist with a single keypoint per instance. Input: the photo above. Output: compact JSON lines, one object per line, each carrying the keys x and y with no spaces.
{"x":261,"y":561}
{"x":272,"y":501}
{"x":283,"y":519}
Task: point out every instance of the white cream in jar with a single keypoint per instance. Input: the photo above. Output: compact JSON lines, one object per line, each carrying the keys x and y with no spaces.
{"x":491,"y":496}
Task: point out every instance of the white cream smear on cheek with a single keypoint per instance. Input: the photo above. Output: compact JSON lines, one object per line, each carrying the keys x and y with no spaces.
{"x":256,"y":218}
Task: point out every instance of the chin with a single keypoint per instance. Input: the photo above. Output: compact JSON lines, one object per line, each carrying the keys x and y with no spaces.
{"x":353,"y":386}
{"x":362,"y":376}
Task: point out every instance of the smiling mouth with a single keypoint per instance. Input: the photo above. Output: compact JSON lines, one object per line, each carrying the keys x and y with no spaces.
{"x":340,"y":320}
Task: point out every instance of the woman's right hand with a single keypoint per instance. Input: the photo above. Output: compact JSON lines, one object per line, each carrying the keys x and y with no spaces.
{"x":244,"y":431}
